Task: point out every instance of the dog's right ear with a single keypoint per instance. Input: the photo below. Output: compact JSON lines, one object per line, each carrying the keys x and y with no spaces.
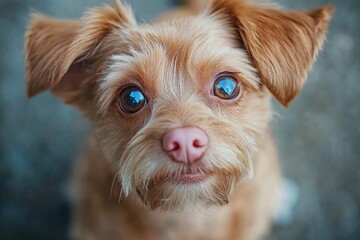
{"x":57,"y":51}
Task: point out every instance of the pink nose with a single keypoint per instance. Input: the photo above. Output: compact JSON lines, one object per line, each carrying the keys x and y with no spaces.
{"x":185,"y":145}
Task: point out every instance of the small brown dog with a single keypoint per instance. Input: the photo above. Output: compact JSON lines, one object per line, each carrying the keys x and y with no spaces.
{"x":180,"y":110}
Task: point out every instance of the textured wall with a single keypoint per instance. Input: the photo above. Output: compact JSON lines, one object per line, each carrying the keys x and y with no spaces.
{"x":318,"y":136}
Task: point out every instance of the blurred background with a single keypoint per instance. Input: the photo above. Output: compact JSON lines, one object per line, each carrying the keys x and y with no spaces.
{"x":318,"y":136}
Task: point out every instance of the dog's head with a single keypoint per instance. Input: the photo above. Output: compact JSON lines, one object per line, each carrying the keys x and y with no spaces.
{"x":180,"y":106}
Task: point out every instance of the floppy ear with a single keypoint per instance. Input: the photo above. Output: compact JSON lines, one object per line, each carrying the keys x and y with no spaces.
{"x":282,"y":44}
{"x":58,"y":52}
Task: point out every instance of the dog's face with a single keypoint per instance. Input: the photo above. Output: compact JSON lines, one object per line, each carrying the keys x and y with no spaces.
{"x":180,"y":107}
{"x":187,"y":73}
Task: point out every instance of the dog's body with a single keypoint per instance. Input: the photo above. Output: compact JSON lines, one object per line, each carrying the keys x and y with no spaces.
{"x":181,"y":146}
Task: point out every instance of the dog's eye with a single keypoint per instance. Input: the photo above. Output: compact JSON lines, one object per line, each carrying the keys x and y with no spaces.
{"x":226,"y":87}
{"x":131,"y":100}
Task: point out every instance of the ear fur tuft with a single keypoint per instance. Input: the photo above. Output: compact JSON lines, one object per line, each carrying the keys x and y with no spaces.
{"x":52,"y":46}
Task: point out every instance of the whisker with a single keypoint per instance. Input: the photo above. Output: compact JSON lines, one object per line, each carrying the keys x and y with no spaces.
{"x":112,"y":185}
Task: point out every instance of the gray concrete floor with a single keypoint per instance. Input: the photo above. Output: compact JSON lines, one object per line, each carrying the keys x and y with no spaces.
{"x":318,"y":136}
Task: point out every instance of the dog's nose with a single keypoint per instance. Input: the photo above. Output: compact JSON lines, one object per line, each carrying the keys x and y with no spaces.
{"x":185,"y":145}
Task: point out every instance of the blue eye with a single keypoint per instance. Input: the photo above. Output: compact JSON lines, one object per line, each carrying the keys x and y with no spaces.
{"x":226,"y":87}
{"x":131,"y":100}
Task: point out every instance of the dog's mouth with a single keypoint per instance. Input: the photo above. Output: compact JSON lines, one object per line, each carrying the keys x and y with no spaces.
{"x":191,"y":176}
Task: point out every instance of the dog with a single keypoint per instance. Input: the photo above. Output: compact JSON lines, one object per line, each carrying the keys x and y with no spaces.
{"x":181,"y":146}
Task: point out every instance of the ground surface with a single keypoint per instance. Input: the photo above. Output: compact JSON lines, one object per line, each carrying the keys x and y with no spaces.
{"x":318,"y":136}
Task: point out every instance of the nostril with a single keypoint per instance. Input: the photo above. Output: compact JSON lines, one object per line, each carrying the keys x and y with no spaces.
{"x":197,"y":144}
{"x":171,"y":146}
{"x":174,"y":147}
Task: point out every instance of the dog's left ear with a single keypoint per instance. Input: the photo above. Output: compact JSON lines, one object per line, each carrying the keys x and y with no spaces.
{"x":282,"y":44}
{"x":58,"y":53}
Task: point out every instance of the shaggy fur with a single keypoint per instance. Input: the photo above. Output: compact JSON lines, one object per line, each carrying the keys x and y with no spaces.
{"x":124,"y":187}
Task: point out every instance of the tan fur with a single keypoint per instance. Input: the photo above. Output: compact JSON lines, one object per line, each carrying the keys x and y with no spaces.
{"x":123,"y":187}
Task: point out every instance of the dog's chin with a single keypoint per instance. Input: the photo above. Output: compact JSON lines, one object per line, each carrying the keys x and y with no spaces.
{"x":188,"y":190}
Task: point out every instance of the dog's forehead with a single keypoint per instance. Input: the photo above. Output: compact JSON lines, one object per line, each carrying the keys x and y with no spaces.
{"x":178,"y":49}
{"x":176,"y":34}
{"x":174,"y":57}
{"x":179,"y":41}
